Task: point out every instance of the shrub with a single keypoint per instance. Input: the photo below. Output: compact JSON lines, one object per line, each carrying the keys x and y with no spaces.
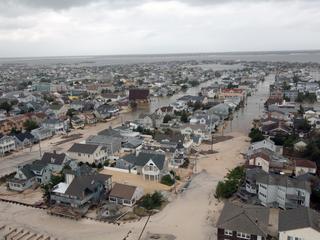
{"x":234,"y":178}
{"x":153,"y":201}
{"x":106,"y":163}
{"x":167,"y":118}
{"x":167,"y":180}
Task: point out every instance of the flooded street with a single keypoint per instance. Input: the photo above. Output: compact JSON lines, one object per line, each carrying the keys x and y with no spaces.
{"x":242,"y":119}
{"x":254,"y":108}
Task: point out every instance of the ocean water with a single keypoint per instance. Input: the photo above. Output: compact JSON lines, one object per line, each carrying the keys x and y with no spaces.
{"x":297,"y":56}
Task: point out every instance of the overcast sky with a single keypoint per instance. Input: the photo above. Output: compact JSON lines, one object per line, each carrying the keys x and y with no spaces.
{"x":97,"y":27}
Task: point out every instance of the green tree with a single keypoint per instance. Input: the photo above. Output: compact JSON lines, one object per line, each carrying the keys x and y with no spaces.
{"x":184,"y":117}
{"x":256,"y":135}
{"x":167,"y":118}
{"x":6,"y":106}
{"x":29,"y":125}
{"x":234,"y":179}
{"x":71,"y":112}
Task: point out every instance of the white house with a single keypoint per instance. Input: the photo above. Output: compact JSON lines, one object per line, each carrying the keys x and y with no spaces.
{"x":90,"y":153}
{"x":299,"y":224}
{"x":126,"y":195}
{"x":7,"y":144}
{"x":282,"y":191}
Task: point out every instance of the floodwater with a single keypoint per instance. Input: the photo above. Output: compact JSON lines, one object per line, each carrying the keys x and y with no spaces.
{"x":276,"y":56}
{"x":242,"y":119}
{"x":254,"y":108}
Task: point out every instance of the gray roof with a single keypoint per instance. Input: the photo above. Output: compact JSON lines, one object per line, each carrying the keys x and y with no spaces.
{"x":103,"y":139}
{"x":247,"y":219}
{"x":81,"y":186}
{"x":282,"y":180}
{"x":123,"y":191}
{"x":53,"y":158}
{"x":26,"y":170}
{"x":37,"y":165}
{"x":133,"y":142}
{"x":144,"y":157}
{"x":299,"y":218}
{"x":110,"y":132}
{"x":83,"y":148}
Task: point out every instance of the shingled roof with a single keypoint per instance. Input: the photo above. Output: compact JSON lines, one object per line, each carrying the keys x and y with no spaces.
{"x":83,"y":148}
{"x":123,"y":191}
{"x":248,"y":219}
{"x":83,"y":185}
{"x":53,"y":158}
{"x":299,"y":218}
{"x":144,"y":157}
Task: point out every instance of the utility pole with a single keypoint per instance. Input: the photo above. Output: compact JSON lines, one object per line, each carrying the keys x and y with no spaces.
{"x":40,"y":147}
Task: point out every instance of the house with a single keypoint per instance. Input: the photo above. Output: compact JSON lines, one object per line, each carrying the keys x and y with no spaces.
{"x":150,"y":121}
{"x":90,"y":118}
{"x":282,"y":191}
{"x":221,"y":110}
{"x":112,"y":144}
{"x":31,"y":174}
{"x":243,"y":222}
{"x":56,"y":126}
{"x":228,"y":93}
{"x":202,"y":117}
{"x":299,"y":224}
{"x":193,"y":99}
{"x":139,"y":95}
{"x":81,"y":191}
{"x":23,"y":140}
{"x":166,"y":110}
{"x":300,"y":146}
{"x":132,"y":144}
{"x":106,"y":111}
{"x":275,"y":127}
{"x":55,"y":161}
{"x":200,"y":130}
{"x":42,"y":133}
{"x":109,"y":97}
{"x":90,"y":153}
{"x":264,"y":144}
{"x":7,"y":144}
{"x":126,"y":195}
{"x":303,"y":166}
{"x":151,"y":165}
{"x":267,"y":160}
{"x":77,"y":122}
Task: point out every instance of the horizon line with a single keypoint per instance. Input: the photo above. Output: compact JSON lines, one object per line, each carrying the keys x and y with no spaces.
{"x":170,"y":53}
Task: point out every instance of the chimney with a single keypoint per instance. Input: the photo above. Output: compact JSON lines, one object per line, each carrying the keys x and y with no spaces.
{"x":269,"y":115}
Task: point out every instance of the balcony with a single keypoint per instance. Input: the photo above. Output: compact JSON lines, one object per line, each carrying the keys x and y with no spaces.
{"x":294,"y":197}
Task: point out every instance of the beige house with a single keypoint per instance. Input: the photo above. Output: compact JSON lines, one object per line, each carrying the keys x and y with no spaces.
{"x":299,"y":224}
{"x":304,"y":166}
{"x":90,"y":153}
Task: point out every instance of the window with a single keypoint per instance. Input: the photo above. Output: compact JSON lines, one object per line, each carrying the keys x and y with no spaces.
{"x":290,"y":238}
{"x":243,"y":235}
{"x":228,"y":232}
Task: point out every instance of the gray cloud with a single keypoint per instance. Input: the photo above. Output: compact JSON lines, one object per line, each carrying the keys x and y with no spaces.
{"x":66,"y":4}
{"x":79,"y":27}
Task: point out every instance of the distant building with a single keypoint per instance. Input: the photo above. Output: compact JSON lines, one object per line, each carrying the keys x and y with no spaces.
{"x":139,"y":95}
